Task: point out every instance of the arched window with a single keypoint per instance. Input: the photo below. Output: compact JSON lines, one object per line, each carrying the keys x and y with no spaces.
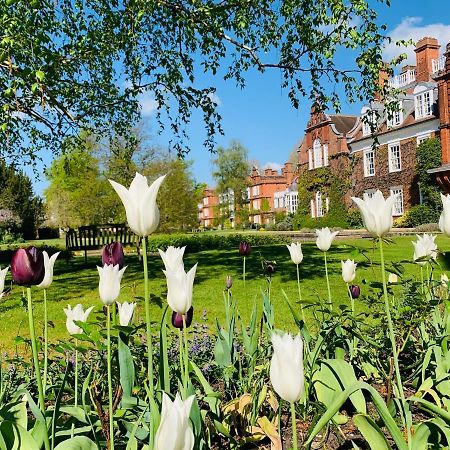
{"x":317,"y":153}
{"x":319,"y":205}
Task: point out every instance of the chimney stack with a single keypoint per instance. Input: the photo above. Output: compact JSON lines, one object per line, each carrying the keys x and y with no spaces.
{"x":383,"y":77}
{"x":426,"y":50}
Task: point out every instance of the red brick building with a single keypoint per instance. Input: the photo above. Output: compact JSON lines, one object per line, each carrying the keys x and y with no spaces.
{"x":345,"y":143}
{"x":265,"y":189}
{"x":208,"y":208}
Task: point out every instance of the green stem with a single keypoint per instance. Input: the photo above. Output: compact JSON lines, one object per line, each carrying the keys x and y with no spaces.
{"x":300,"y":295}
{"x":76,"y":383}
{"x":294,"y":427}
{"x":114,"y":313}
{"x":328,"y":282}
{"x":45,"y":340}
{"x":421,"y":277}
{"x":352,"y":300}
{"x":186,"y":358}
{"x":243,"y":272}
{"x":37,"y":369}
{"x":110,"y":394}
{"x":149,"y":334}
{"x":393,"y":344}
{"x":182,"y":368}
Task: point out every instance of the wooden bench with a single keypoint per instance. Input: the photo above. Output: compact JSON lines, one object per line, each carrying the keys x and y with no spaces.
{"x":94,"y":237}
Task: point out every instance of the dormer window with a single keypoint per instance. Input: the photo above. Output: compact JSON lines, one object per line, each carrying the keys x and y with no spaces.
{"x":395,"y":117}
{"x":369,"y":120}
{"x":423,"y":102}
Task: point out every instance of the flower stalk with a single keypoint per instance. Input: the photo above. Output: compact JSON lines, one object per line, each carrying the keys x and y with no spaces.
{"x":45,"y":340}
{"x":110,"y":394}
{"x":330,"y":302}
{"x":394,"y":345}
{"x":37,"y":369}
{"x":294,"y":428}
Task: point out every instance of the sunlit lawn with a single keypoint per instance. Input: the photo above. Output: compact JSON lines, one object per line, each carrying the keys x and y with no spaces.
{"x":76,"y":282}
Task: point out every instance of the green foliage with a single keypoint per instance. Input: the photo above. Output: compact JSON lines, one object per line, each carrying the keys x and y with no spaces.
{"x":22,"y":211}
{"x":419,"y":215}
{"x":331,"y":186}
{"x":231,"y":169}
{"x":65,"y":63}
{"x":428,"y":156}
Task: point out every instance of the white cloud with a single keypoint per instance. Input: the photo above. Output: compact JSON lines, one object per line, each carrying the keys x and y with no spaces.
{"x":412,"y":28}
{"x":215,"y":98}
{"x":273,"y":166}
{"x":148,"y":104}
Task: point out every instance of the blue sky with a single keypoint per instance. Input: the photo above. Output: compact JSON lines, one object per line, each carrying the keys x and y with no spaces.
{"x":261,"y":116}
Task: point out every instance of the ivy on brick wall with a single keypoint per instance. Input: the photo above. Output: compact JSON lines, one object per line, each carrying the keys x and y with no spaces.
{"x":428,"y":156}
{"x":331,"y":186}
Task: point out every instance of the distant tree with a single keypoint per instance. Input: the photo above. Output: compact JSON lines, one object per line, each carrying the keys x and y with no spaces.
{"x":231,"y":171}
{"x":17,"y":197}
{"x":178,"y":196}
{"x":77,"y":193}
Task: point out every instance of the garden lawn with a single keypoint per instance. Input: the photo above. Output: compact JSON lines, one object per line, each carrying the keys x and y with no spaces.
{"x":77,"y":282}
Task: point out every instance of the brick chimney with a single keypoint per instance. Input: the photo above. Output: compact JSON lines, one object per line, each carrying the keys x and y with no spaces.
{"x":444,"y":107}
{"x":383,"y":77}
{"x":426,"y":50}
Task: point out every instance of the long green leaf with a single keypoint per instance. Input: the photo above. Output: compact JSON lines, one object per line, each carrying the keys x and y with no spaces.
{"x":431,"y":407}
{"x":126,"y":368}
{"x":164,"y":371}
{"x":377,"y":401}
{"x":371,"y":432}
{"x":77,"y":443}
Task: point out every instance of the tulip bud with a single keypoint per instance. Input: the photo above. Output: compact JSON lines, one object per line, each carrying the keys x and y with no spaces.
{"x":244,"y":248}
{"x":76,"y":314}
{"x":325,"y":238}
{"x":49,"y":263}
{"x":355,"y":291}
{"x":177,"y":318}
{"x":113,"y":254}
{"x":286,"y":366}
{"x":27,"y":266}
{"x":348,"y":270}
{"x":175,"y":429}
{"x":270,"y":267}
{"x":228,"y":282}
{"x":295,"y":250}
{"x":109,"y":285}
{"x":126,"y":312}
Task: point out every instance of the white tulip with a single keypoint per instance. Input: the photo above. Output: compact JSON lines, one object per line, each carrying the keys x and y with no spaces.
{"x":173,"y":257}
{"x":175,"y":431}
{"x":376,"y":212}
{"x":126,"y":311}
{"x":77,"y":314}
{"x":286,"y":366}
{"x":109,"y":285}
{"x":2,"y":280}
{"x":49,"y":263}
{"x":444,"y":220}
{"x":392,"y":278}
{"x":140,"y":204}
{"x":348,"y":270}
{"x":295,"y":249}
{"x":325,"y":238}
{"x":424,"y":248}
{"x":179,"y":288}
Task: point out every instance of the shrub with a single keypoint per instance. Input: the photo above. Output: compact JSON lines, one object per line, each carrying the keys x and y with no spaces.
{"x":206,"y":241}
{"x":427,"y":228}
{"x":420,"y":214}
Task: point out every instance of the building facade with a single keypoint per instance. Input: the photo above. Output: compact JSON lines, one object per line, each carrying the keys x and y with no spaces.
{"x":208,"y":208}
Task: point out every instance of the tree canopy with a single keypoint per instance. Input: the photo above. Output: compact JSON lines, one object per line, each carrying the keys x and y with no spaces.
{"x":68,"y":65}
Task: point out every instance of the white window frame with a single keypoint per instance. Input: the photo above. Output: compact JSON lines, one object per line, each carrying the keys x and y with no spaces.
{"x":294,"y":202}
{"x":205,"y":201}
{"x":318,"y":160}
{"x":397,"y":116}
{"x":313,"y":208}
{"x":319,"y":205}
{"x":370,"y":192}
{"x":423,"y":137}
{"x":423,"y":104}
{"x":398,"y":208}
{"x":325,"y":155}
{"x":369,"y":170}
{"x":393,"y":165}
{"x":369,"y":118}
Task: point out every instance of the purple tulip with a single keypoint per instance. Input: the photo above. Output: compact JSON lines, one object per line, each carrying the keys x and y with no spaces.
{"x":177,"y":319}
{"x":270,"y":267}
{"x":355,"y":291}
{"x":244,"y":248}
{"x":228,"y":282}
{"x":113,"y":254}
{"x":27,"y":266}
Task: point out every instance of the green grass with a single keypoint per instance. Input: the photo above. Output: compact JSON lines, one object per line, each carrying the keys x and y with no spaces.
{"x":77,"y":282}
